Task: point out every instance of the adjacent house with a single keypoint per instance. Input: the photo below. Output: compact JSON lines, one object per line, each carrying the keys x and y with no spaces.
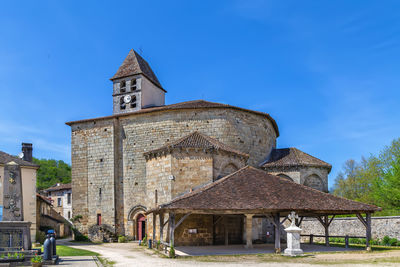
{"x":61,"y":197}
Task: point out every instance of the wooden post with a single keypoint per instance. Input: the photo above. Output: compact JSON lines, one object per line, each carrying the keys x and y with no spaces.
{"x":311,"y":239}
{"x":368,"y":230}
{"x":171,"y":229}
{"x":346,"y":241}
{"x":249,"y":230}
{"x":277,"y":233}
{"x":154,"y":227}
{"x":226,"y":232}
{"x":161,"y":219}
{"x":326,"y":230}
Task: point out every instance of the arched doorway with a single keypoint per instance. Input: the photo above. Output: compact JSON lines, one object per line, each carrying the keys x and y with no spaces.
{"x":141,"y":226}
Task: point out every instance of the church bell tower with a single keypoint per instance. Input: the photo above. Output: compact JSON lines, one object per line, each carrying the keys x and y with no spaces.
{"x":135,"y":86}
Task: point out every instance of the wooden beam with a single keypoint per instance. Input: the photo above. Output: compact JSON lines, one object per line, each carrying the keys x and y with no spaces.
{"x":182,"y":219}
{"x":299,"y":222}
{"x":368,"y":230}
{"x":320,"y":220}
{"x":331,"y":220}
{"x":154,"y":227}
{"x":277,"y":233}
{"x":161,"y":219}
{"x":284,"y":219}
{"x":219,"y":219}
{"x":326,"y":219}
{"x":360,"y":217}
{"x":171,"y":229}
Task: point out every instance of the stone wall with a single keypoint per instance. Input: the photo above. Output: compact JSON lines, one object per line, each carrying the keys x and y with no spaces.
{"x":204,"y":227}
{"x":92,"y":173}
{"x":139,"y":133}
{"x":190,"y":171}
{"x":315,"y":177}
{"x":381,"y":226}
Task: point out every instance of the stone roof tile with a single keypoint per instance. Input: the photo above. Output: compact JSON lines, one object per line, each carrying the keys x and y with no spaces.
{"x":254,"y":189}
{"x":289,"y":157}
{"x":197,"y":140}
{"x":135,"y":64}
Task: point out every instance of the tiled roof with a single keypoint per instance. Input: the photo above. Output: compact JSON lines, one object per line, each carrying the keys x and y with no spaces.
{"x":254,"y":189}
{"x":197,"y":140}
{"x":45,"y":199}
{"x":6,"y":158}
{"x":195,"y":104}
{"x":135,"y":64}
{"x":288,"y":157}
{"x":58,"y":187}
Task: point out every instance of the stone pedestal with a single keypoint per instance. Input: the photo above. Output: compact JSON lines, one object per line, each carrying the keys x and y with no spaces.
{"x":293,"y":241}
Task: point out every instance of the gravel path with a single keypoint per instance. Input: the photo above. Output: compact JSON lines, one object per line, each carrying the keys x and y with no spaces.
{"x":130,"y":254}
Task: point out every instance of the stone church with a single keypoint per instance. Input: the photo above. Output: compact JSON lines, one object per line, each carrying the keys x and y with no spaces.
{"x":148,"y":153}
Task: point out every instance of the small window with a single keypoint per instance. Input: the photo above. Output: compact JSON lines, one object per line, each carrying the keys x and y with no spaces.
{"x":69,"y":198}
{"x":133,"y":102}
{"x":122,"y":86}
{"x":69,"y":215}
{"x":59,"y":202}
{"x":99,"y":219}
{"x":122,"y":104}
{"x":133,"y":84}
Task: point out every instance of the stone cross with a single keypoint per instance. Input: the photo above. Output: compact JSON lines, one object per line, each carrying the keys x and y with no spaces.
{"x":293,"y":216}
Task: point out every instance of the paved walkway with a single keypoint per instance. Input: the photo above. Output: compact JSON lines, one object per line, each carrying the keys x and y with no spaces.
{"x":240,"y":249}
{"x":81,"y":261}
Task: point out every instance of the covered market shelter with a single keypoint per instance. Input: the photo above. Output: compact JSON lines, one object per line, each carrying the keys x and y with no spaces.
{"x":249,"y":193}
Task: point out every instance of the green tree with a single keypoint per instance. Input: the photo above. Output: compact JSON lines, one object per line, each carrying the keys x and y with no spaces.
{"x":375,"y":180}
{"x":52,"y":172}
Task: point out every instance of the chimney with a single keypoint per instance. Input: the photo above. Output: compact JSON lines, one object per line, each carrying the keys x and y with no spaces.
{"x":27,"y":150}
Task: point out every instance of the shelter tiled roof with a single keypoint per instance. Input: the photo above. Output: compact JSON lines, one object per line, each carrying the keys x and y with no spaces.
{"x":251,"y":189}
{"x":59,"y":187}
{"x":197,"y":140}
{"x":6,"y":158}
{"x":135,"y":64}
{"x":195,"y":104}
{"x":288,"y":157}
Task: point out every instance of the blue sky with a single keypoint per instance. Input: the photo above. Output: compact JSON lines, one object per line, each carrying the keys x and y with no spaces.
{"x":327,"y":71}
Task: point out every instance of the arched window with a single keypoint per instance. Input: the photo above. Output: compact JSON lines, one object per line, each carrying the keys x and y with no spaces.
{"x":285,"y":176}
{"x":122,"y":86}
{"x":228,"y":169}
{"x":314,"y":181}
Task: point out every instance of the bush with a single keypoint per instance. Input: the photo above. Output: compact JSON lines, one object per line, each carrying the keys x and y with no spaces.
{"x":393,"y":242}
{"x":144,"y":241}
{"x":172,"y":252}
{"x":122,"y":239}
{"x":40,"y":237}
{"x":385,"y":240}
{"x":80,"y":237}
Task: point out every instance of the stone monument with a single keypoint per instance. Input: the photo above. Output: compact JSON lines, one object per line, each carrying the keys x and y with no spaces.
{"x":14,"y":232}
{"x":293,"y":237}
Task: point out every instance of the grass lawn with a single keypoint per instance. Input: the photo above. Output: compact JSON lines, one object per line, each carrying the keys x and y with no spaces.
{"x":68,"y":251}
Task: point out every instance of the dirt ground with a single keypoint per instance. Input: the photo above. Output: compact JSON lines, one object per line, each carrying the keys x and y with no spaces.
{"x":130,"y":254}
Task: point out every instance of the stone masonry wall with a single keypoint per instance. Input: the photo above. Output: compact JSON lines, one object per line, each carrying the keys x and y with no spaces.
{"x":247,"y":132}
{"x":92,"y":161}
{"x":204,"y":226}
{"x":226,"y":163}
{"x":381,"y":226}
{"x":190,"y":171}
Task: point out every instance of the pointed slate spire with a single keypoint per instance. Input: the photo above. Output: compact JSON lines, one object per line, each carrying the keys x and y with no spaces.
{"x":135,"y":64}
